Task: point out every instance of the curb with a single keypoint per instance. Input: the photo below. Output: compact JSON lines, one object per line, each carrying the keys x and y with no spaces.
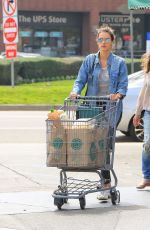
{"x":24,"y":107}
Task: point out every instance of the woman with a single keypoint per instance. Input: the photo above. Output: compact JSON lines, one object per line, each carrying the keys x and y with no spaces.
{"x":105,"y":74}
{"x":143,"y":104}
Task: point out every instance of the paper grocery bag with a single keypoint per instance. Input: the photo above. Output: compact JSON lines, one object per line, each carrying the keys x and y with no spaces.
{"x":81,"y":148}
{"x":101,"y":139}
{"x":56,"y":147}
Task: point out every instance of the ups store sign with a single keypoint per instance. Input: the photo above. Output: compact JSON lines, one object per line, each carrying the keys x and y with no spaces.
{"x":29,"y":18}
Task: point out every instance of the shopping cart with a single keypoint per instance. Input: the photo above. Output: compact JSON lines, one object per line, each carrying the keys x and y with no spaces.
{"x":83,"y":142}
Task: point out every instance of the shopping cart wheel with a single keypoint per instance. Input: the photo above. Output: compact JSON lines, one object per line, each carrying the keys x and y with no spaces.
{"x":65,"y":199}
{"x":82,"y":202}
{"x":115,"y":196}
{"x":58,"y":202}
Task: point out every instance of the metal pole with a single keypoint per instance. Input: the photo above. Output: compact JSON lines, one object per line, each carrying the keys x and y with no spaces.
{"x":131,"y":34}
{"x":12,"y":73}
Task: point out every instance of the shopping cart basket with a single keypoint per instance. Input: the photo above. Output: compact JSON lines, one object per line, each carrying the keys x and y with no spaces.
{"x":83,"y":142}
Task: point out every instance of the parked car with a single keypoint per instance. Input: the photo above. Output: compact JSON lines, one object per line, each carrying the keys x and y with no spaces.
{"x":129,"y":104}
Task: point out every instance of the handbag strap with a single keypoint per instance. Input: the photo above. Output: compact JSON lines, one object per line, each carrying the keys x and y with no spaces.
{"x":91,"y":70}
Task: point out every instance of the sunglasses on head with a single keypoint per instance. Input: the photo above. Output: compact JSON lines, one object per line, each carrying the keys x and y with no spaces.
{"x":106,"y":40}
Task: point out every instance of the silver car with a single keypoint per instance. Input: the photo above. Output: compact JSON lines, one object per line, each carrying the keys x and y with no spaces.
{"x":129,"y":103}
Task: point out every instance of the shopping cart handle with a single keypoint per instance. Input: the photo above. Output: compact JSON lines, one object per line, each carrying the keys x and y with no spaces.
{"x":92,"y":98}
{"x":95,"y":98}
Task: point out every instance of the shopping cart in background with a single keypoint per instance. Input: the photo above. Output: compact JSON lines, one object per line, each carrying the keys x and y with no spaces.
{"x":83,"y":142}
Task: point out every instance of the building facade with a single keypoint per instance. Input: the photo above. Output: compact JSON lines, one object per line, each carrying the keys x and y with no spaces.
{"x":68,"y":27}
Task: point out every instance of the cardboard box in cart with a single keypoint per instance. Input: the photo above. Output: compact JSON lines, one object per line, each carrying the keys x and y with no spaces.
{"x":56,"y":147}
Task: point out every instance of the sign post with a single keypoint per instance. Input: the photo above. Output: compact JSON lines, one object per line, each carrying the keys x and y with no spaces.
{"x":10,"y":31}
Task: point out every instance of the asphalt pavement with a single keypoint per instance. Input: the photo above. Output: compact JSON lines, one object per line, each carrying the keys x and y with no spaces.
{"x":26,"y":201}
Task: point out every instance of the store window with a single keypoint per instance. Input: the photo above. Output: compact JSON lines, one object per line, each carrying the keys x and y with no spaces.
{"x":52,"y":34}
{"x":51,"y":43}
{"x":121,"y":25}
{"x":40,"y":41}
{"x":72,"y":41}
{"x":25,"y":40}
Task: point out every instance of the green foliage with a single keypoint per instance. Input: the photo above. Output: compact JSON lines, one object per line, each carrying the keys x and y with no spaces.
{"x":39,"y":69}
{"x":137,"y":65}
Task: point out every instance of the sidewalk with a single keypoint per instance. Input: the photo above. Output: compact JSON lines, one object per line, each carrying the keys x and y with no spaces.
{"x":26,"y":184}
{"x":26,"y":201}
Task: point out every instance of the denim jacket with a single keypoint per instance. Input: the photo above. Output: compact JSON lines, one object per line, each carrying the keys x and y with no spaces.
{"x":90,"y":70}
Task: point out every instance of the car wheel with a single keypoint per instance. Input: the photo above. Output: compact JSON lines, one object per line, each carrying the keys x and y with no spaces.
{"x":138,"y":132}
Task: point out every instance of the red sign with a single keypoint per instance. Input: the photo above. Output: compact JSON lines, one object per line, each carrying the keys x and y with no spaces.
{"x":10,"y":30}
{"x":11,"y":50}
{"x":9,"y":7}
{"x":126,"y":37}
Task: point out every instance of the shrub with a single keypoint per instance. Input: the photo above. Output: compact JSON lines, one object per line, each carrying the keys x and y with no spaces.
{"x":27,"y":69}
{"x":45,"y":69}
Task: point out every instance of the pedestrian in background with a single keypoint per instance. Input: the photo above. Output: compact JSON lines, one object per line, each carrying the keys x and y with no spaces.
{"x":143,"y":105}
{"x":105,"y":74}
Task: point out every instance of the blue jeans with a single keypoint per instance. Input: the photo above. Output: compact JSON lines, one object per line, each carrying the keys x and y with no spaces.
{"x":146,"y":146}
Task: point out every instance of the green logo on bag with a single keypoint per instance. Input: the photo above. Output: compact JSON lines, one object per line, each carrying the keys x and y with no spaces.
{"x":101,"y":144}
{"x":93,"y":152}
{"x":76,"y":144}
{"x":57,"y":143}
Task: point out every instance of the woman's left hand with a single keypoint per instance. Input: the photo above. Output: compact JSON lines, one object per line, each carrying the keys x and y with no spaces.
{"x":136,"y":120}
{"x":115,"y":97}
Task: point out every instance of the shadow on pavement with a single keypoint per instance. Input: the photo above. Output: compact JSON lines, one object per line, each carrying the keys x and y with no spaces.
{"x":123,"y":138}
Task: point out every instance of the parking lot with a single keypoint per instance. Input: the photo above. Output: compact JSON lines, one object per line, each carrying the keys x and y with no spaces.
{"x":27,"y":184}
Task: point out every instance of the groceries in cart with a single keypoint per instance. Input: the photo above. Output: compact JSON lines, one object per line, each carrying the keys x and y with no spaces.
{"x":56,"y":116}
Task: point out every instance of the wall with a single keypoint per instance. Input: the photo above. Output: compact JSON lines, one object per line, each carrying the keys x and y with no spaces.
{"x":92,"y":8}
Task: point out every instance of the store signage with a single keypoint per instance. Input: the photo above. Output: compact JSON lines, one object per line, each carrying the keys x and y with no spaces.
{"x":42,"y":19}
{"x":45,"y":19}
{"x":11,"y":50}
{"x":118,"y":20}
{"x":10,"y":30}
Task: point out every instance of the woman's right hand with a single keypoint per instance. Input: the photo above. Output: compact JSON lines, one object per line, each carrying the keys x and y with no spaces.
{"x":73,"y":95}
{"x":136,"y":120}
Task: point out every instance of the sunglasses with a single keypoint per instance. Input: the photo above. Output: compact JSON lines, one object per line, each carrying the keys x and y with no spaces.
{"x":106,"y":40}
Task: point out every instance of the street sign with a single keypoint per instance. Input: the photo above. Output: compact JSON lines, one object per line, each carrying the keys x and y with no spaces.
{"x":11,"y":50}
{"x":9,"y":8}
{"x":10,"y":30}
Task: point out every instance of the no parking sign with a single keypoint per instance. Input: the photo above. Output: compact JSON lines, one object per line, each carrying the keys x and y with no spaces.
{"x":9,"y":8}
{"x":10,"y":27}
{"x":10,"y":21}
